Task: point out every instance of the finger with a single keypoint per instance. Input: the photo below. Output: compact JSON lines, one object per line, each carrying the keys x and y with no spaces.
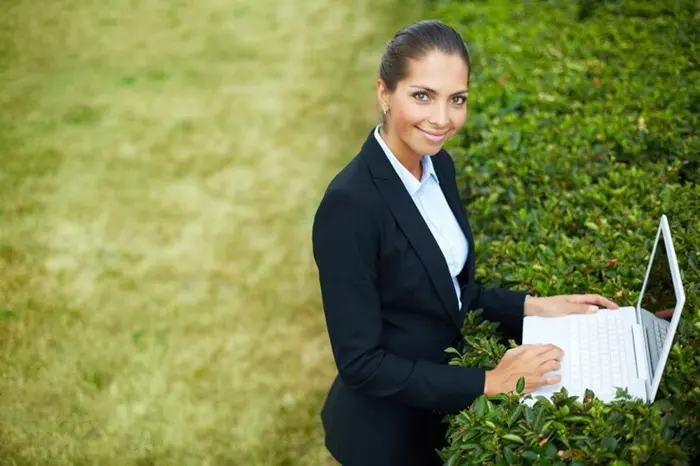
{"x":581,"y":309}
{"x":526,"y":348}
{"x":548,"y":366}
{"x":552,"y":379}
{"x":554,"y":353}
{"x":519,"y":349}
{"x":594,"y":299}
{"x":538,"y":382}
{"x":543,"y":352}
{"x":607,"y":304}
{"x":534,"y":382}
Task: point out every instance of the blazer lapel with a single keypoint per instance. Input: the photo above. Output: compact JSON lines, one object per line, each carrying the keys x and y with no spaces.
{"x":412,"y":224}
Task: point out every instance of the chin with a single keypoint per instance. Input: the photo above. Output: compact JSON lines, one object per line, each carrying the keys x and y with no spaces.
{"x":430,"y":151}
{"x":423,"y":148}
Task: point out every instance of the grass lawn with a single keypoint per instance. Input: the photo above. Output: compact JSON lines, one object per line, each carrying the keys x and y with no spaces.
{"x":160,"y":163}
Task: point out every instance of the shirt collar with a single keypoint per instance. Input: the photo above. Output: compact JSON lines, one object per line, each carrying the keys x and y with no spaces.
{"x":409,"y":181}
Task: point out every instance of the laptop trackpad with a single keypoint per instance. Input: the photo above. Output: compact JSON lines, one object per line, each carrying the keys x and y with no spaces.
{"x":553,"y":331}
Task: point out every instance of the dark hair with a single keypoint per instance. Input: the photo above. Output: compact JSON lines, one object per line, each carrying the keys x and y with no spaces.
{"x":415,"y":41}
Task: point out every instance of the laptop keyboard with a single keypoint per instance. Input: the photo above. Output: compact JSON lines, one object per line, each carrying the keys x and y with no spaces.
{"x":597,"y":358}
{"x":660,"y":332}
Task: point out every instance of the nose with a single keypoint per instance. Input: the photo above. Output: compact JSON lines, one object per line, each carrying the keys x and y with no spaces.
{"x":439,"y":116}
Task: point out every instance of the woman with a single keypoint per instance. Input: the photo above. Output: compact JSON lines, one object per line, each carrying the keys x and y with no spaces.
{"x":395,"y":256}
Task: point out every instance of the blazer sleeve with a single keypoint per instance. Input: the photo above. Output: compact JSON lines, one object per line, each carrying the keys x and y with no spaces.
{"x":346,"y":248}
{"x":499,"y":305}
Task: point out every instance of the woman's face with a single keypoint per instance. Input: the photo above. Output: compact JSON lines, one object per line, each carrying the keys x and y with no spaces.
{"x":428,"y":105}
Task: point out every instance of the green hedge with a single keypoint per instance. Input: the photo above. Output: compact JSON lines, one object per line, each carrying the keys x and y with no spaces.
{"x":582,"y":131}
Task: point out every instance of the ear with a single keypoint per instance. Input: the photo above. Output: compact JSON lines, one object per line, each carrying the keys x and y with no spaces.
{"x":383,"y":95}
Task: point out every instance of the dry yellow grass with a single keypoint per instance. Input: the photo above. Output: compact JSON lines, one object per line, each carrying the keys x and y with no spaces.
{"x":160,"y":162}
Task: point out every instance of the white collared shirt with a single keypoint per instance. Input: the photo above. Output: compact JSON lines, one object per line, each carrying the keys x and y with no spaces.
{"x":433,"y":207}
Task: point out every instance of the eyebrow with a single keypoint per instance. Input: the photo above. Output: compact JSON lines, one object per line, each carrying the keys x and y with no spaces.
{"x":425,"y":88}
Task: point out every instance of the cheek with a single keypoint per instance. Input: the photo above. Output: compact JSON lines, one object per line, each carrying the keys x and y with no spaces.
{"x":410,"y":115}
{"x":413,"y":115}
{"x":459,"y":117}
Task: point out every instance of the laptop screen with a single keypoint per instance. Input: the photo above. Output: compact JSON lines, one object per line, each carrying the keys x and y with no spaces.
{"x":659,"y":296}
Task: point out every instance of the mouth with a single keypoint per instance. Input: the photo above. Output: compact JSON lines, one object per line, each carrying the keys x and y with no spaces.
{"x":435,"y":138}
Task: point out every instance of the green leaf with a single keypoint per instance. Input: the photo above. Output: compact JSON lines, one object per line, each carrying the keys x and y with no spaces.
{"x":545,"y":427}
{"x":452,"y":461}
{"x":499,"y":397}
{"x":559,"y":426}
{"x":513,"y":438}
{"x":539,"y":419}
{"x":489,"y":405}
{"x":551,"y":450}
{"x":480,"y":406}
{"x":470,"y":446}
{"x":529,"y":414}
{"x":565,"y":440}
{"x":522,"y":213}
{"x":515,"y":415}
{"x":576,"y":418}
{"x":508,"y":455}
{"x":609,"y":443}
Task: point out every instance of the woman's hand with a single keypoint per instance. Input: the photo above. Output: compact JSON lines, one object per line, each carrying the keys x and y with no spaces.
{"x":566,"y":304}
{"x":529,"y":361}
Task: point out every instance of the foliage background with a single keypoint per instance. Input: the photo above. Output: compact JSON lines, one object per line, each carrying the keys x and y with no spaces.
{"x":582,"y":132}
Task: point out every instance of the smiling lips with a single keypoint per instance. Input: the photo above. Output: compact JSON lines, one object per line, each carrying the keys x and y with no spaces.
{"x":434,"y":138}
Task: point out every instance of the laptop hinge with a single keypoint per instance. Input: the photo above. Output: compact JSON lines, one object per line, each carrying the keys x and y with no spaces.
{"x":640,"y":353}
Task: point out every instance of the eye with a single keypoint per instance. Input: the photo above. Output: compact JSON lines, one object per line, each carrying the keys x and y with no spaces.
{"x":422,"y":96}
{"x":460,"y":99}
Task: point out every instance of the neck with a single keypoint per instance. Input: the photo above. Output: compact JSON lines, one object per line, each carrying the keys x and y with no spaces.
{"x":407,"y":157}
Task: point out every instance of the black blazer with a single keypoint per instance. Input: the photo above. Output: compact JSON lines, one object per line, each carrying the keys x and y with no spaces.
{"x":391,"y":311}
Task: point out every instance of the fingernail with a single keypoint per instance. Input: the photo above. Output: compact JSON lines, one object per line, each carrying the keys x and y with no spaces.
{"x":592,"y":308}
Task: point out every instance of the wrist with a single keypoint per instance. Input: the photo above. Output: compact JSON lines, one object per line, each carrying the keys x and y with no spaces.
{"x":530,"y":306}
{"x":489,"y":383}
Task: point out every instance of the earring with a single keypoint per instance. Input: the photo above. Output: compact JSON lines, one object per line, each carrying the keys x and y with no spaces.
{"x":385,"y":111}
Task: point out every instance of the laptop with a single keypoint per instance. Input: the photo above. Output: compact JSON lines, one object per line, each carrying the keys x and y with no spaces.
{"x":627,"y":347}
